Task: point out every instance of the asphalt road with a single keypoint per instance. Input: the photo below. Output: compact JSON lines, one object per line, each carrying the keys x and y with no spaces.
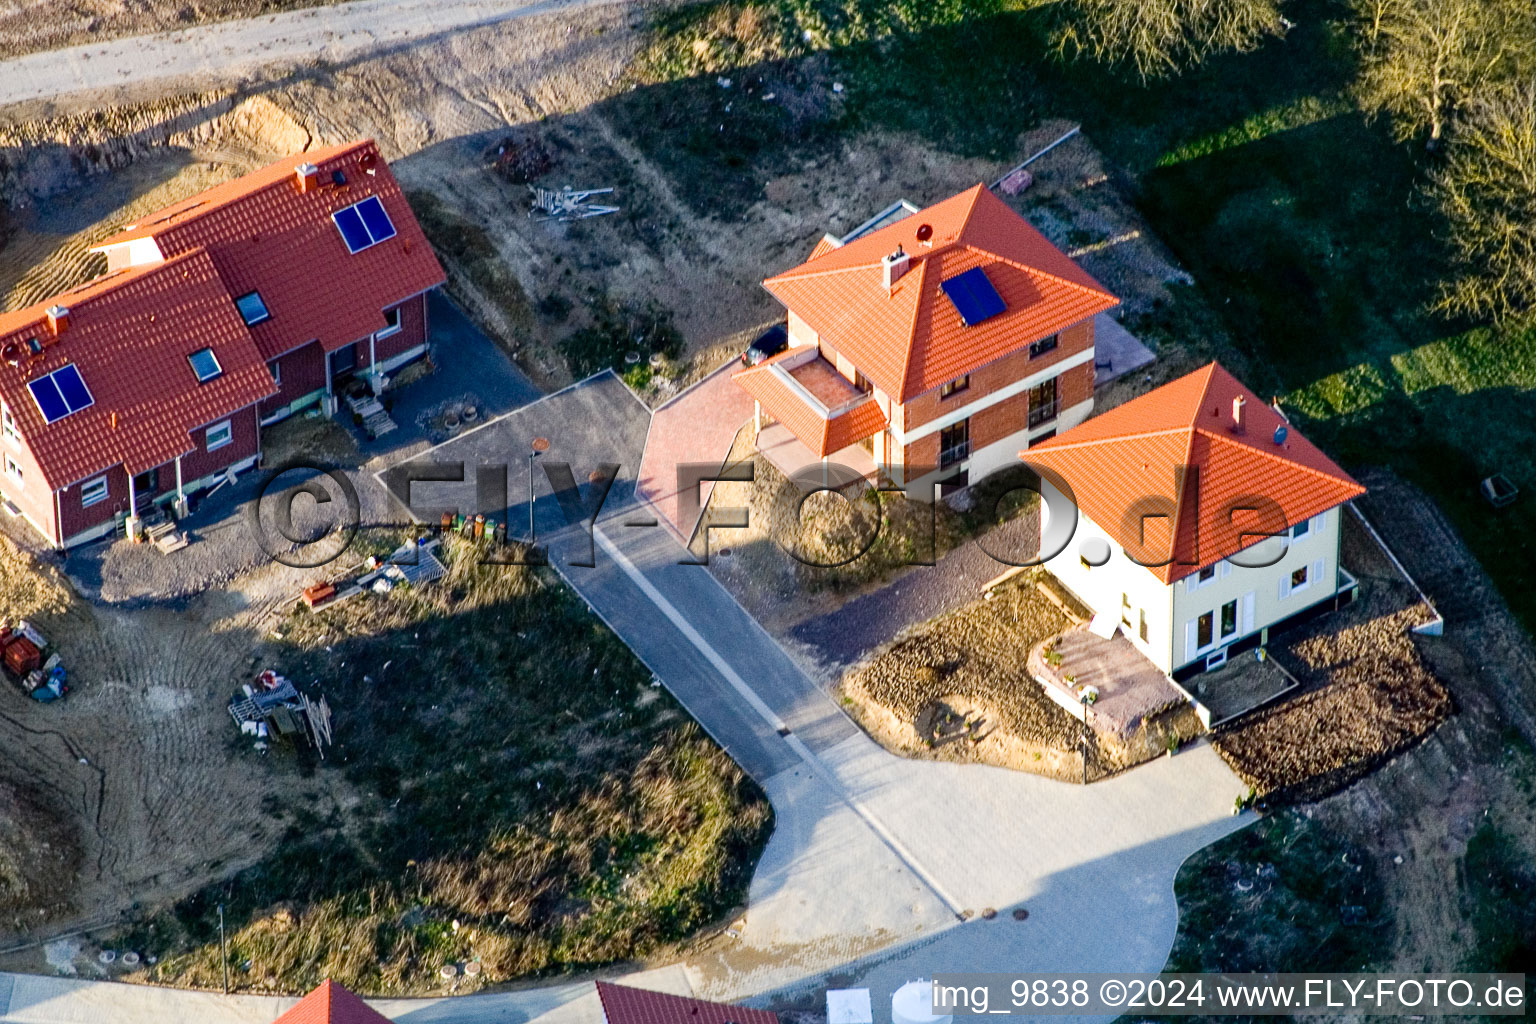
{"x":225,"y":51}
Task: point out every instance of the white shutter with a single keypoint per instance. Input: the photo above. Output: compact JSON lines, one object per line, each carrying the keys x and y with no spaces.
{"x":1285,"y":584}
{"x":1225,"y":570}
{"x":1189,"y":639}
{"x":1317,"y":573}
{"x":1319,"y":521}
{"x":1246,"y":621}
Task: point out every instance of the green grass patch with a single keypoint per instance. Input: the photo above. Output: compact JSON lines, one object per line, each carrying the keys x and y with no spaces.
{"x":527,"y":800}
{"x":1276,"y":897}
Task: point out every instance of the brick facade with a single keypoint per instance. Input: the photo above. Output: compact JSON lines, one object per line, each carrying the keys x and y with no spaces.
{"x":412,"y":333}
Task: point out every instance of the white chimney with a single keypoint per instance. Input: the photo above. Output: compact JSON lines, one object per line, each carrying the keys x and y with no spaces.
{"x":307,"y":177}
{"x":1239,"y":421}
{"x":892,"y":267}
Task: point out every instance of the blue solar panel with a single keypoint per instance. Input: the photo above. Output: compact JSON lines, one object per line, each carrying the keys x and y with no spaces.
{"x":375,"y":219}
{"x":973,"y":296}
{"x":72,"y":387}
{"x":350,"y":223}
{"x":49,"y":402}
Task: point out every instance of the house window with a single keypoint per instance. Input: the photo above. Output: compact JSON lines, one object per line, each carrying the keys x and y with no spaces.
{"x":219,"y":435}
{"x":1084,"y":559}
{"x":862,"y":382}
{"x":1042,"y":403}
{"x":276,"y":369}
{"x":205,"y":365}
{"x":1204,"y":636}
{"x":1202,"y":577}
{"x":93,"y":492}
{"x":252,"y":309}
{"x":1125,"y":608}
{"x":1229,"y":619}
{"x":13,"y":469}
{"x":1143,"y":625}
{"x":363,"y":224}
{"x":1044,"y":345}
{"x":954,"y":443}
{"x":8,"y":424}
{"x":956,"y":385}
{"x":391,"y":323}
{"x":1301,"y":529}
{"x":1300,"y":579}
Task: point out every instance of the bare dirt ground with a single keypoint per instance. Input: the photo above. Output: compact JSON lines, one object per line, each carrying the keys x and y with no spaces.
{"x":27,"y":26}
{"x":138,"y":767}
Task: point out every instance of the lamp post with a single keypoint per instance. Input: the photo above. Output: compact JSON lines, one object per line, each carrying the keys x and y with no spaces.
{"x":539,"y":447}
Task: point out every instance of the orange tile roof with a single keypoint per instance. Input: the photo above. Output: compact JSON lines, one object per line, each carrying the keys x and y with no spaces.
{"x":264,"y":235}
{"x":911,"y":339}
{"x":822,"y":429}
{"x":331,"y":1004}
{"x":129,"y":335}
{"x":1127,"y":462}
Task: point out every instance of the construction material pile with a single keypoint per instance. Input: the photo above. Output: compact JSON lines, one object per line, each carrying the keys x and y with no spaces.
{"x":521,"y":158}
{"x":275,"y":707}
{"x":22,"y":650}
{"x":1369,"y":696}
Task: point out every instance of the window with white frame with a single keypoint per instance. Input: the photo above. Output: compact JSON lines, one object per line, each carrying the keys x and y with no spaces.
{"x":93,"y":492}
{"x":276,"y":369}
{"x":219,"y":435}
{"x":391,"y":323}
{"x":8,"y":424}
{"x":13,"y":469}
{"x":1300,"y":578}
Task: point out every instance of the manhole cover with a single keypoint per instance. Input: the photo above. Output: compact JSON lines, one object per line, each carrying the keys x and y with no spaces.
{"x":1020,"y":914}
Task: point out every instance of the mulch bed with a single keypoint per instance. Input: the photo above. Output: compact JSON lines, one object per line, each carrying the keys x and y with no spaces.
{"x":1369,"y":696}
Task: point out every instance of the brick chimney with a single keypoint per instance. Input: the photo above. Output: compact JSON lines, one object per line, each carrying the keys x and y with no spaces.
{"x":1239,"y":417}
{"x":894,"y":266}
{"x":58,"y":319}
{"x":307,"y":177}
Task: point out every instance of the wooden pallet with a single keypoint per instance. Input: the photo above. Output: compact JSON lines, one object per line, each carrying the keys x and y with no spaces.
{"x":166,"y":537}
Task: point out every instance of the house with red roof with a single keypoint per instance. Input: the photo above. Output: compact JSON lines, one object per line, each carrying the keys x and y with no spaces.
{"x":323,"y":258}
{"x":229,"y":310}
{"x":624,"y":1004}
{"x":330,"y":1003}
{"x":1203,"y":520}
{"x":932,"y":343}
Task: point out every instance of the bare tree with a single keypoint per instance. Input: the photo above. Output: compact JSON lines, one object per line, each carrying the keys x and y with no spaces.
{"x":1162,"y":37}
{"x":1486,"y":191}
{"x":1422,"y":58}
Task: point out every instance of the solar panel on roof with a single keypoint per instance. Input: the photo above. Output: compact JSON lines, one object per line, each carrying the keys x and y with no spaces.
{"x":60,"y":393}
{"x":72,"y":386}
{"x":376,"y":219}
{"x":353,"y":232}
{"x":973,"y":296}
{"x":49,"y":402}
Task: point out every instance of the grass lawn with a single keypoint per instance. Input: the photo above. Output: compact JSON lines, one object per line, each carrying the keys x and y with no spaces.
{"x":515,"y":790}
{"x":1303,"y":224}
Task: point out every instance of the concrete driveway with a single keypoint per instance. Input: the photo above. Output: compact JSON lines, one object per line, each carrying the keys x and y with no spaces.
{"x":880,"y":868}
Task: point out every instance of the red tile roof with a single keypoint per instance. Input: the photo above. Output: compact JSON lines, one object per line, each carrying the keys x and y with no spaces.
{"x":129,"y":334}
{"x":911,"y":339}
{"x":822,"y":429}
{"x":625,"y":1005}
{"x":1116,"y":460}
{"x":264,"y":235}
{"x":331,"y":1004}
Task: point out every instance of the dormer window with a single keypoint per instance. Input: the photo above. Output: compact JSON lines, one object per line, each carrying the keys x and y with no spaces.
{"x":252,"y":309}
{"x":205,"y":365}
{"x":363,"y":224}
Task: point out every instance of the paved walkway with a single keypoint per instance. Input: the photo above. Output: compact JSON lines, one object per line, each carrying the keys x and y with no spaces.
{"x":875,"y":859}
{"x":224,"y":51}
{"x":697,"y":426}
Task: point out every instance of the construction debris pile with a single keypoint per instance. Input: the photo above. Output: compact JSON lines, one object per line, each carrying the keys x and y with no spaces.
{"x":412,"y":564}
{"x":521,"y":158}
{"x":22,"y":650}
{"x":569,"y":204}
{"x":275,"y":707}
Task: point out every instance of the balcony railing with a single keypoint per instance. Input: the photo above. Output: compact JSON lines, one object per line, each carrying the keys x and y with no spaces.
{"x":1039,"y":414}
{"x":954,"y":453}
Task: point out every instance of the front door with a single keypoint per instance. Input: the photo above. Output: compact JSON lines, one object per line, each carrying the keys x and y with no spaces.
{"x":144,"y":489}
{"x":343,"y":362}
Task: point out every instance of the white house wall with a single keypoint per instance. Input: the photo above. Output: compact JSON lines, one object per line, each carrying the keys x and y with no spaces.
{"x":1272,"y":600}
{"x":1102,"y":588}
